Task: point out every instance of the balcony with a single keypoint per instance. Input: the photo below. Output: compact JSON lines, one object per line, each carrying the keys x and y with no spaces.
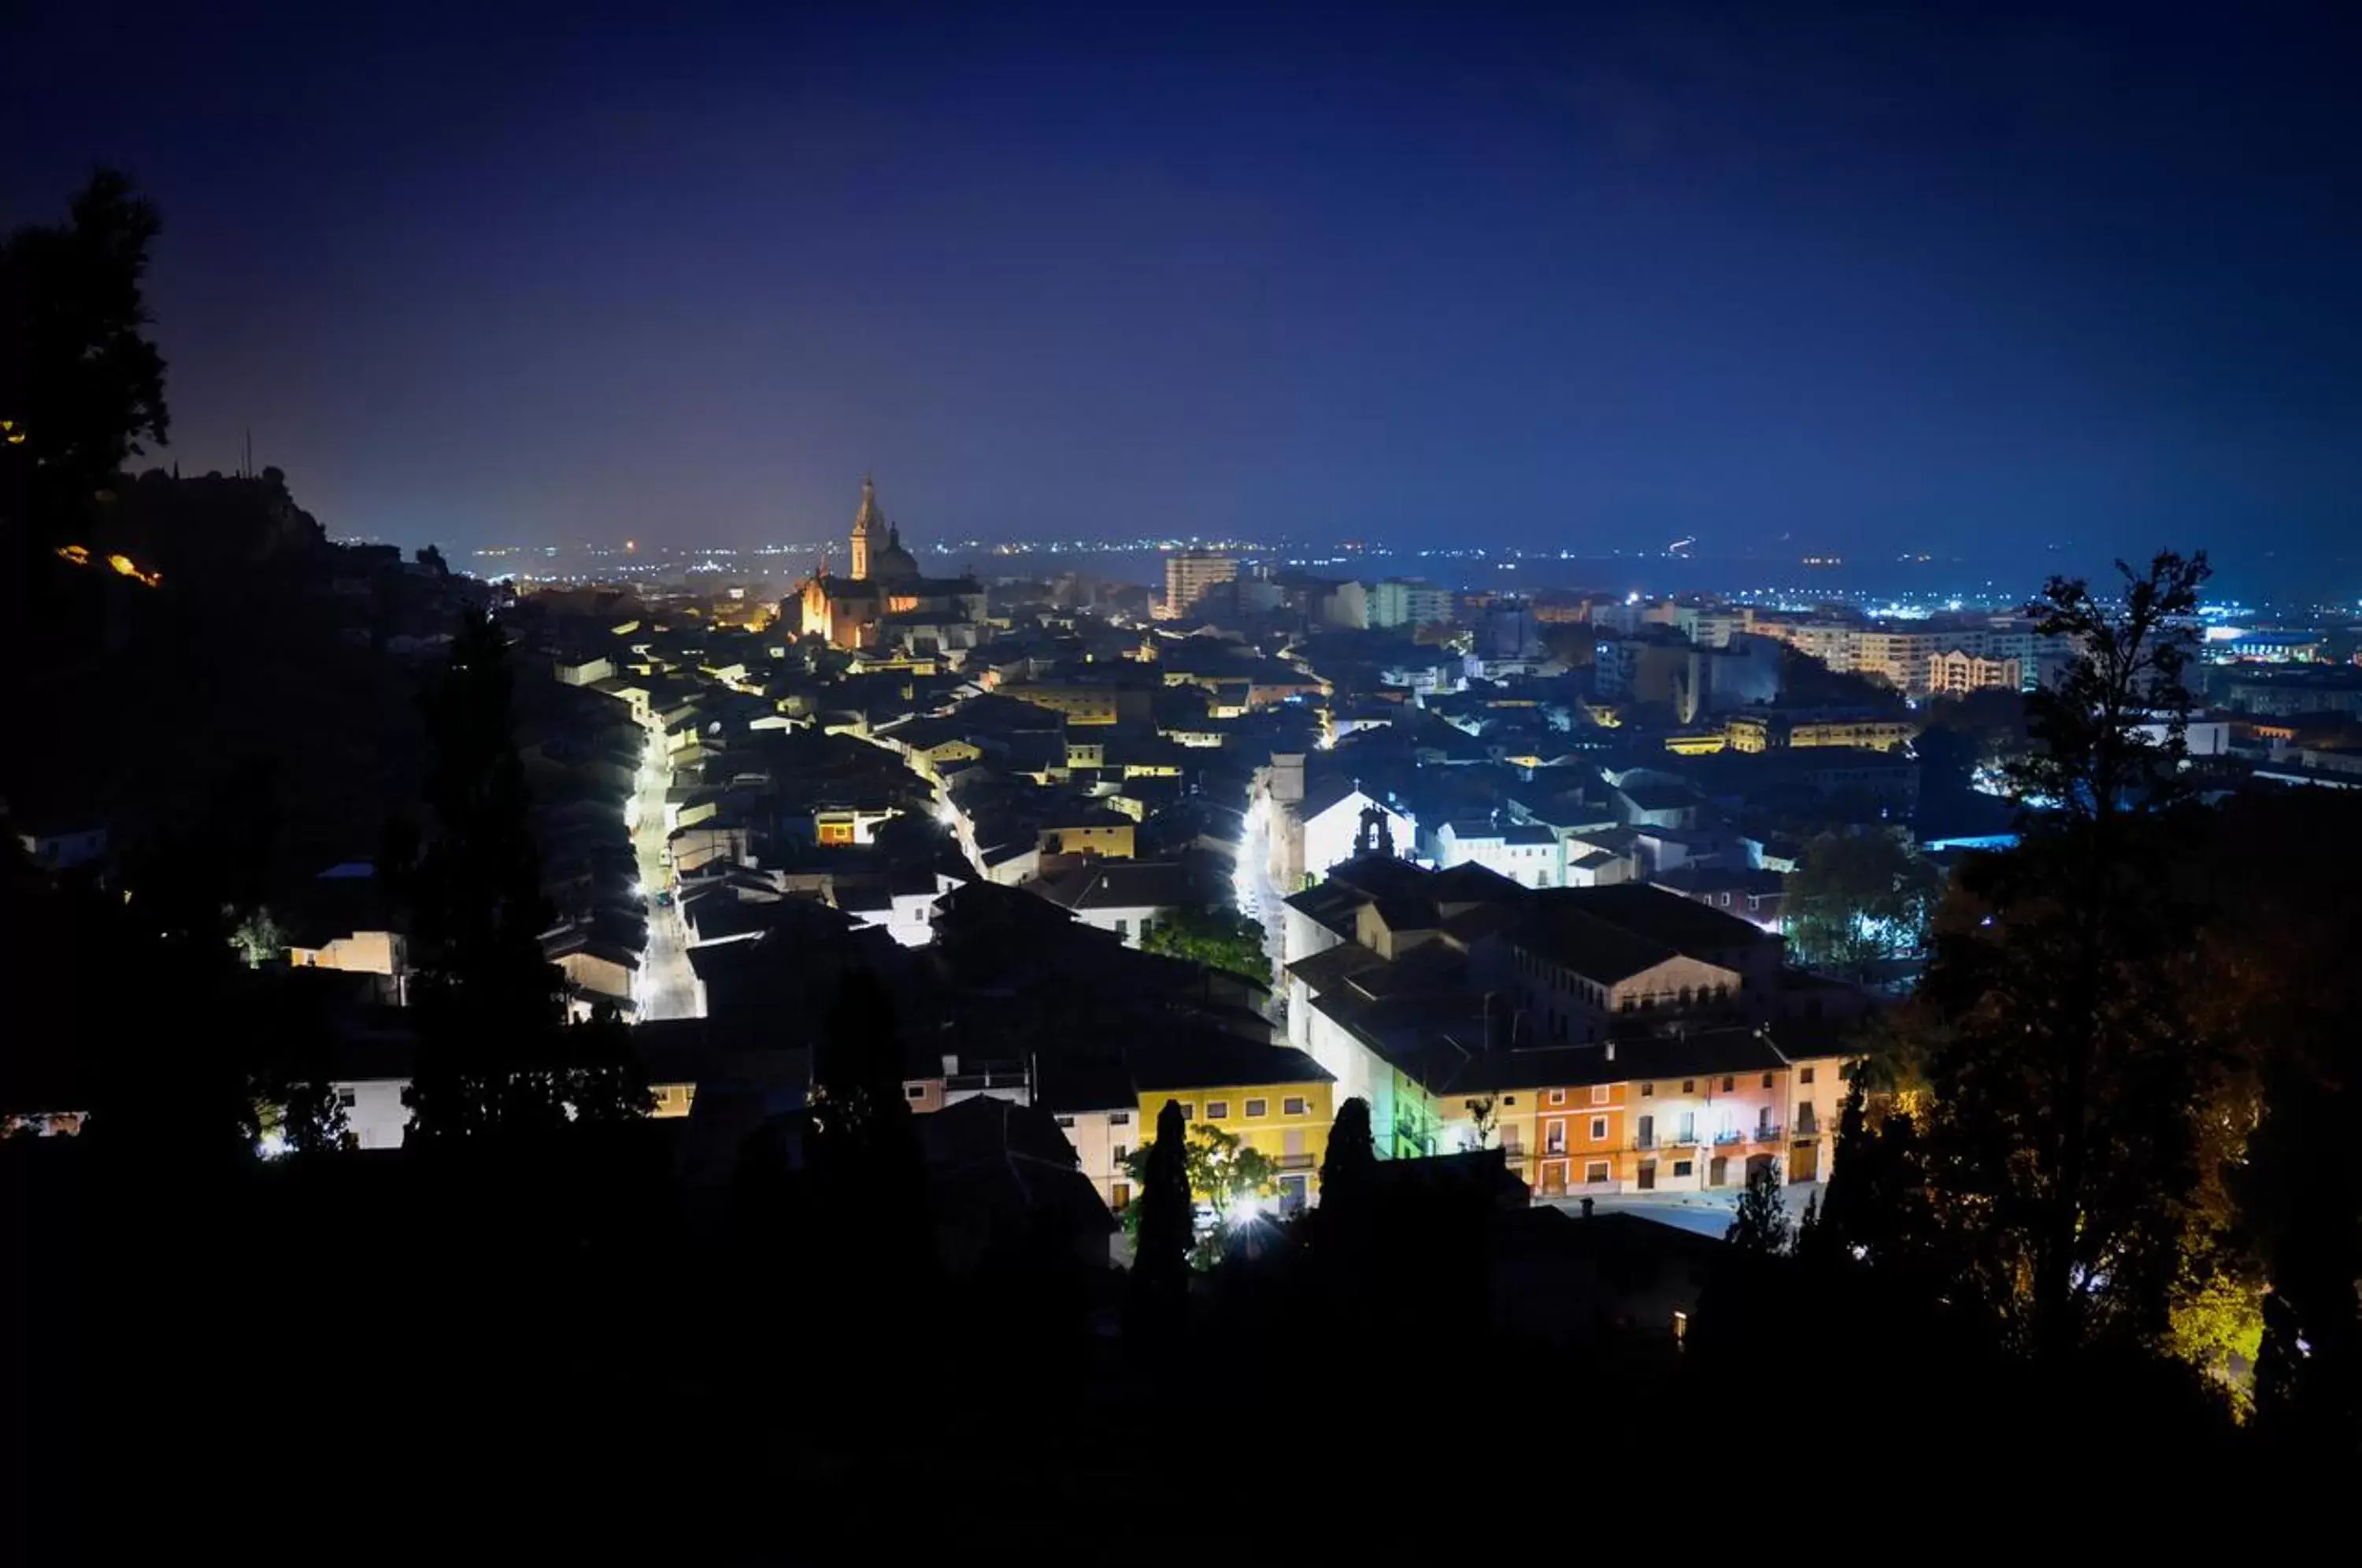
{"x":1808,"y":1125}
{"x":1768,"y":1133}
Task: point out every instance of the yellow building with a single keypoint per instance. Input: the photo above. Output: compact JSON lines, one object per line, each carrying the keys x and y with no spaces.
{"x":1274,"y":1098}
{"x":1877,"y":734}
{"x":1081,"y":702}
{"x":1094,"y":830}
{"x":1761,"y":732}
{"x":1692,"y":742}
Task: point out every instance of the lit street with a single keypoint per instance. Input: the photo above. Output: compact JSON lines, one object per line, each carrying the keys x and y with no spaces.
{"x":1259,"y":900}
{"x":668,"y":986}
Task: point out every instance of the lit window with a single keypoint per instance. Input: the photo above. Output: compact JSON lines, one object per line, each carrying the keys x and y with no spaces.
{"x":1258,"y":1107}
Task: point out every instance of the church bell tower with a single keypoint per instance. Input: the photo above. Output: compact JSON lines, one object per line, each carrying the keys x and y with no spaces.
{"x":867,"y":524}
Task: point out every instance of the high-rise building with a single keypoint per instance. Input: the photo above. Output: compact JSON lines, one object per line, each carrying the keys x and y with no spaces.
{"x":1188,"y":574}
{"x":1957,"y":671}
{"x":1407,"y":601}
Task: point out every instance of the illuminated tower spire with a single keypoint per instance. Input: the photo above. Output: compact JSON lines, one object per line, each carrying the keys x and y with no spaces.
{"x":867,"y":524}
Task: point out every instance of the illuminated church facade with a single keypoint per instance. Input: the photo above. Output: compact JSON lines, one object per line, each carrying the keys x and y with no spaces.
{"x":886,"y":602}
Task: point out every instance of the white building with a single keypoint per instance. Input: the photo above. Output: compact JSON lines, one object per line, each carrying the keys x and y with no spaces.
{"x":1408,"y":601}
{"x":1120,"y":896}
{"x":1333,"y":825}
{"x":1096,"y":1104}
{"x":1526,"y":852}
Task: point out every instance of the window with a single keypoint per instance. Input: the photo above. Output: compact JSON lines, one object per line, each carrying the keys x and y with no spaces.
{"x":1554,"y":1138}
{"x":1648,"y":1091}
{"x":1123,"y":929}
{"x":1689,"y":1086}
{"x":1804,"y":1075}
{"x":1066,"y":1122}
{"x":1119,"y":1118}
{"x":915,"y":1091}
{"x":1216,"y":1109}
{"x":1767,"y":1080}
{"x":1258,"y":1107}
{"x":1122,"y":1153}
{"x":1681,"y":1167}
{"x":1726,"y":1083}
{"x":1594,"y":1170}
{"x":1508,"y":1099}
{"x":1599,"y":1130}
{"x":1292,"y":1105}
{"x":1601,"y":1094}
{"x":1188,"y":1111}
{"x":1122,"y":1195}
{"x":1558,"y":1097}
{"x":348,"y":1098}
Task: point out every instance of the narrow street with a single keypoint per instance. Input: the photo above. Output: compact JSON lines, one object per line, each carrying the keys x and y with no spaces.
{"x":1260,"y":902}
{"x":667,"y":986}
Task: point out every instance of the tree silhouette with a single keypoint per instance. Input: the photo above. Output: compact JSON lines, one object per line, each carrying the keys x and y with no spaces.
{"x":868,"y":1179}
{"x":80,"y":385}
{"x":1349,"y":1169}
{"x":2066,"y":1078}
{"x":1162,"y":1244}
{"x":311,"y":1117}
{"x":1761,"y":1225}
{"x":490,"y":1006}
{"x":431,"y":557}
{"x":1860,"y":899}
{"x":1222,"y":1170}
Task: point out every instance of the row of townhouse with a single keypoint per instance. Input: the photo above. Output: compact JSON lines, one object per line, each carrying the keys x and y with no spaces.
{"x":1620,"y":1039}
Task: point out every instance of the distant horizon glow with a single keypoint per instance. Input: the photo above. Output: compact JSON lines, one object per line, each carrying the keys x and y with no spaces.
{"x":1972,"y":295}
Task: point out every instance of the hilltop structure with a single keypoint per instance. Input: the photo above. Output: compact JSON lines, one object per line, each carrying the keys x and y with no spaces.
{"x":886,"y":602}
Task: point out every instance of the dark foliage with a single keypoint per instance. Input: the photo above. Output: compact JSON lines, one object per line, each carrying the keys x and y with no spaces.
{"x":1160,"y":1265}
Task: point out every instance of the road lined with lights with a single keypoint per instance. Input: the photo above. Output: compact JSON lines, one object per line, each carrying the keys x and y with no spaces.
{"x":668,"y":983}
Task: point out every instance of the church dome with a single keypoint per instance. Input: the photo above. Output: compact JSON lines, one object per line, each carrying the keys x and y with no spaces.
{"x":893,"y":563}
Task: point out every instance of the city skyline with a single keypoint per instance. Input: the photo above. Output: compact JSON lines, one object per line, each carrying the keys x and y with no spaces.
{"x":1598,"y":281}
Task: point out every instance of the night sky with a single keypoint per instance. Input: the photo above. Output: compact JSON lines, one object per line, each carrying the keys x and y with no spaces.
{"x":1975,"y":280}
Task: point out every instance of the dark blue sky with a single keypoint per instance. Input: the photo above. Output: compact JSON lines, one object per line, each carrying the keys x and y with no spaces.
{"x":1870,"y":276}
